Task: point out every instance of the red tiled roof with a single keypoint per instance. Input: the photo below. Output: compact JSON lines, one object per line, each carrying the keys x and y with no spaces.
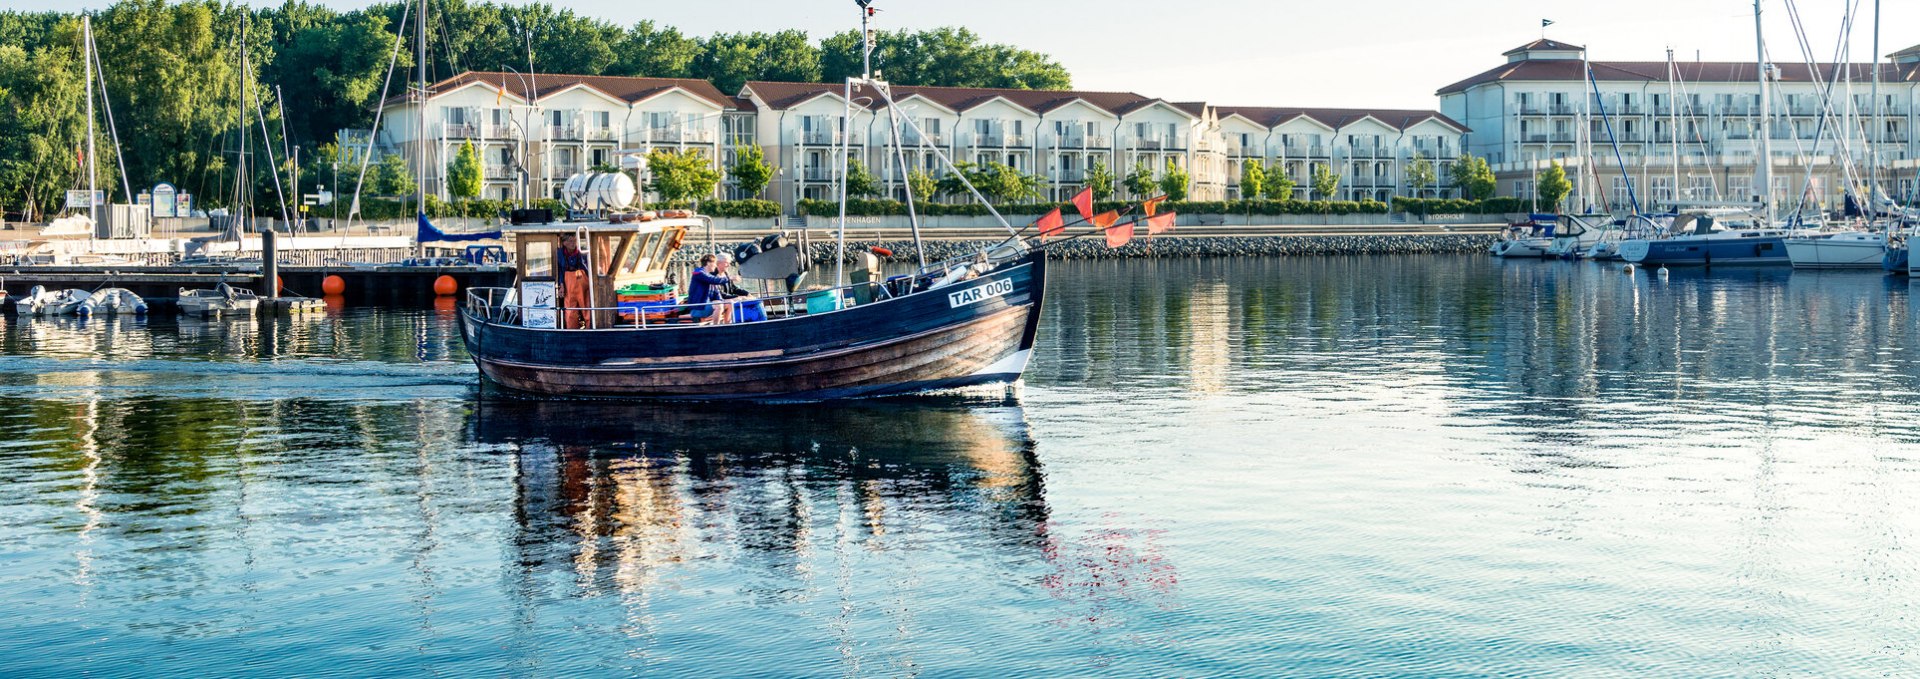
{"x":624,"y":88}
{"x":1564,"y":70}
{"x":1399,"y":119}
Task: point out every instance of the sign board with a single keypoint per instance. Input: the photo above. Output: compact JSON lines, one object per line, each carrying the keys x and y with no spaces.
{"x":184,"y":207}
{"x":83,"y":199}
{"x":166,"y":201}
{"x":537,"y":304}
{"x":977,"y":293}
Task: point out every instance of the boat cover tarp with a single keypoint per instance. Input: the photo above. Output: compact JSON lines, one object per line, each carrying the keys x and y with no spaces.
{"x":430,"y":234}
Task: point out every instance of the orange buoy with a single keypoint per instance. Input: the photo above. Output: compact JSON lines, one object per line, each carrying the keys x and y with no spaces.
{"x":279,"y":285}
{"x":445,"y":285}
{"x":333,"y":285}
{"x":883,"y":252}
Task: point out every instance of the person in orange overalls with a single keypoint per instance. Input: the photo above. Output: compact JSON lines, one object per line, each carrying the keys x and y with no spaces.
{"x":573,"y":285}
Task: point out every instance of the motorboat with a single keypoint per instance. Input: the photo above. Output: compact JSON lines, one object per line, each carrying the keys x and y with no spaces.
{"x":40,"y":301}
{"x":1528,"y":238}
{"x":117,"y":301}
{"x":1575,"y":235}
{"x":1840,"y":250}
{"x":1703,"y":239}
{"x":221,"y":300}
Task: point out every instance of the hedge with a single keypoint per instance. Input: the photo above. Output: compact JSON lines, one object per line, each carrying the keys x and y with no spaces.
{"x":892,"y":208}
{"x":744,"y":209}
{"x":1490,"y":206}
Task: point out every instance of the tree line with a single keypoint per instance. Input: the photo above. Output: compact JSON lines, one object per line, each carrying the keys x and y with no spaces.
{"x":173,"y":75}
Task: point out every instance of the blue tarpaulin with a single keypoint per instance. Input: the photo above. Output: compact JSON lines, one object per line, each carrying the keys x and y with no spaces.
{"x":429,"y":234}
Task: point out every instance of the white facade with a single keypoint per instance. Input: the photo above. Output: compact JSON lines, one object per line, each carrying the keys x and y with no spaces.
{"x":1656,"y":138}
{"x":529,"y":145}
{"x":1370,"y":150}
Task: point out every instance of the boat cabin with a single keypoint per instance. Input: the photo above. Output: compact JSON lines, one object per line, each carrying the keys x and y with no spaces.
{"x":620,"y":256}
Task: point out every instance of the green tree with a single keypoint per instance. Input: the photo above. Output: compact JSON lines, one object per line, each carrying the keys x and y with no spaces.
{"x":1100,"y":179}
{"x":1279,"y":185}
{"x":1553,"y":186}
{"x":681,"y":176}
{"x":1001,"y":183}
{"x":392,"y":177}
{"x":463,"y":174}
{"x":333,"y":66}
{"x":732,"y":59}
{"x":1173,"y":182}
{"x":1325,"y":182}
{"x":655,"y":51}
{"x":1474,"y":177}
{"x":922,"y":184}
{"x":1253,"y":179}
{"x":1139,"y":182}
{"x":750,"y":170}
{"x":1420,"y":175}
{"x":860,"y":182}
{"x":951,"y":57}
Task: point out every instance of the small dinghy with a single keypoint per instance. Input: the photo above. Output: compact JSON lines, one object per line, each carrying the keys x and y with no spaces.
{"x":221,"y":300}
{"x":40,"y":301}
{"x":118,"y":301}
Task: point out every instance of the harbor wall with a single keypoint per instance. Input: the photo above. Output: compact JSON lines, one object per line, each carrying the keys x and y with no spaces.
{"x":822,"y":251}
{"x":989,"y":223}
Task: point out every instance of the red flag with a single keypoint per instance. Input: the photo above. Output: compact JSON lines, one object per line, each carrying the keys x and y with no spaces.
{"x":1152,"y":205}
{"x":1159,"y":224}
{"x":1084,"y":201}
{"x":1117,"y":234}
{"x":1051,"y":224}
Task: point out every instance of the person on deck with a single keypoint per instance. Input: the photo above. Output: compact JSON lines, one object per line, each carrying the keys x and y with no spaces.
{"x":709,"y":284}
{"x":573,"y":285}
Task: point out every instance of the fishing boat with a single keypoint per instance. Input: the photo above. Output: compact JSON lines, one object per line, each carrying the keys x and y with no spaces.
{"x":221,"y":300}
{"x":960,"y":323}
{"x":1841,"y":250}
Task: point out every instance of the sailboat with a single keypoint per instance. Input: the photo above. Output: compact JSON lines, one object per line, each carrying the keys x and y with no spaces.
{"x":1703,"y":238}
{"x":964,"y":322}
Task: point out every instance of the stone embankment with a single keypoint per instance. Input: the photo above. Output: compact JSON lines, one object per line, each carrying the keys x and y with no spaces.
{"x":1172,"y":246}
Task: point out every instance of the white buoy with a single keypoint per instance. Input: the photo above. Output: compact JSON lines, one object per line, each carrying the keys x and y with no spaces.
{"x":1662,"y":273}
{"x":1628,"y":269}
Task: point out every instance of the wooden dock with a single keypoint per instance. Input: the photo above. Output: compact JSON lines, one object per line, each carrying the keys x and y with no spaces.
{"x":161,"y":284}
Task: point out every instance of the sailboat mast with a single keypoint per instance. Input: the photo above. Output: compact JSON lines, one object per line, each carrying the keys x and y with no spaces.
{"x":420,"y":139}
{"x":1673,"y":120}
{"x":1873,"y":136}
{"x":1763,"y":174}
{"x":93,"y":168}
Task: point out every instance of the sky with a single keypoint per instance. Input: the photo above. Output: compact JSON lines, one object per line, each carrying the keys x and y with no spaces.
{"x":1353,"y":53}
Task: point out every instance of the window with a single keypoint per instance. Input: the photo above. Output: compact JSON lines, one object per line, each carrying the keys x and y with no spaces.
{"x":599,"y":119}
{"x":557,"y":118}
{"x":539,"y":259}
{"x":453,"y":115}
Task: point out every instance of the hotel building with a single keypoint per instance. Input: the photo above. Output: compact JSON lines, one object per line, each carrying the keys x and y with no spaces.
{"x":1648,"y":122}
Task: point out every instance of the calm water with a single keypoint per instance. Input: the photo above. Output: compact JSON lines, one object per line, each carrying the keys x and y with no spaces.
{"x":1440,"y":466}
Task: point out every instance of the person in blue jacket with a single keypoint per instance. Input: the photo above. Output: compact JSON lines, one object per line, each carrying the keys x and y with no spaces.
{"x":709,"y":284}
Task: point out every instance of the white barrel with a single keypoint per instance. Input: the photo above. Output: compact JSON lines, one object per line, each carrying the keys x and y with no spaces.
{"x":599,"y":191}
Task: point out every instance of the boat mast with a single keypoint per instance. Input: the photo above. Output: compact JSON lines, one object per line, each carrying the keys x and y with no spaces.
{"x":1763,"y":174}
{"x":1673,"y":121}
{"x":1872,"y":136}
{"x":1587,"y":169}
{"x":420,"y":138}
{"x":93,"y":168}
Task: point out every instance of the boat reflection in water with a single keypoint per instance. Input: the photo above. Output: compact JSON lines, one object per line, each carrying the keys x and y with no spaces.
{"x":617,"y":492}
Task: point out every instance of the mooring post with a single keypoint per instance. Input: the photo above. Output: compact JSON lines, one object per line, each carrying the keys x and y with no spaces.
{"x":269,"y":263}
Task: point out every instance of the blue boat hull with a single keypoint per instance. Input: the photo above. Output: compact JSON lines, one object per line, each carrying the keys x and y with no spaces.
{"x":1763,"y":251}
{"x":979,"y":331}
{"x":1896,"y":260}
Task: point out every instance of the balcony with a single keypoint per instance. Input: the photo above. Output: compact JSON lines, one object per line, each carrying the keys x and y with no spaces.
{"x":1367,"y":152}
{"x":497,"y":172}
{"x":1160,"y":144}
{"x":1306,"y":151}
{"x":502,"y":132}
{"x":916,"y":139}
{"x":1564,"y":138}
{"x":999,"y":140}
{"x":819,"y":173}
{"x":1530,"y":109}
{"x":563,"y":132}
{"x":459,"y":130}
{"x":1563,"y":109}
{"x":820,"y":138}
{"x":669,"y":135}
{"x":1073,"y":176}
{"x":1534,"y":138}
{"x":602,"y":134}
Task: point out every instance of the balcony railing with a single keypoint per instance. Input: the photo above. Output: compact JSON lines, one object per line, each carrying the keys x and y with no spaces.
{"x":1529,"y":109}
{"x":502,"y":132}
{"x":601,"y":134}
{"x":1000,"y":140}
{"x":1306,"y":151}
{"x":1564,"y":138}
{"x":816,"y":174}
{"x":670,"y":135}
{"x":1070,"y":176}
{"x":819,"y":138}
{"x":563,"y":132}
{"x":929,"y":139}
{"x":497,"y":172}
{"x":459,"y":130}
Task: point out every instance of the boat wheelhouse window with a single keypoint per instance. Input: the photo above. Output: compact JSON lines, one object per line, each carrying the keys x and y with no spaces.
{"x":539,"y":259}
{"x":662,"y":250}
{"x":606,"y":249}
{"x":639,"y":254}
